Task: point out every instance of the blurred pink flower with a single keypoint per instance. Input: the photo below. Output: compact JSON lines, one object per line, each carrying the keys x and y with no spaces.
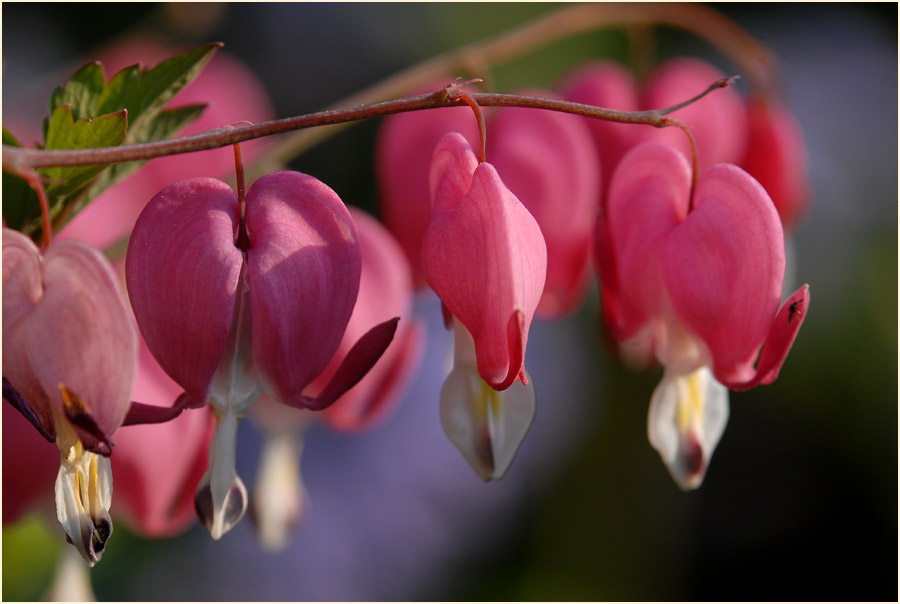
{"x":776,"y":157}
{"x":486,"y":259}
{"x":385,"y":290}
{"x":697,"y":288}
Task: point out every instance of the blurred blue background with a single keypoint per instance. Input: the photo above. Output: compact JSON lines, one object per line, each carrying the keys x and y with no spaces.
{"x":800,"y":502}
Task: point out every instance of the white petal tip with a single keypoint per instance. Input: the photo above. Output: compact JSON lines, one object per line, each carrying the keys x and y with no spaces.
{"x":486,"y":426}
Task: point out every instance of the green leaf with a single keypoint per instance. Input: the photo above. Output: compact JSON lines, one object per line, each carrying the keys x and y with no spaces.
{"x":65,"y":133}
{"x":81,"y":92}
{"x":166,"y":124}
{"x":20,"y":202}
{"x":144,"y":93}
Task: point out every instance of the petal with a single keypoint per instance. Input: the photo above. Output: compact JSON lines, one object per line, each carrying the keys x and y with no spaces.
{"x":688,"y":414}
{"x":485,"y":425}
{"x":648,"y":199}
{"x":779,"y":340}
{"x":402,"y":159}
{"x":450,"y":176}
{"x":385,"y":290}
{"x":22,"y":290}
{"x":486,"y":259}
{"x":718,"y":121}
{"x":83,"y":497}
{"x":221,"y":497}
{"x":182,"y":272}
{"x":724,"y":268}
{"x":548,"y":161}
{"x":81,"y":335}
{"x":361,"y":358}
{"x":304,"y":270}
{"x":280,"y":500}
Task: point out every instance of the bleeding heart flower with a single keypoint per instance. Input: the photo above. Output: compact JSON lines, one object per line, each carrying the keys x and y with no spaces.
{"x":485,"y":257}
{"x":232,"y":306}
{"x":385,"y":290}
{"x":697,"y":287}
{"x":69,"y":366}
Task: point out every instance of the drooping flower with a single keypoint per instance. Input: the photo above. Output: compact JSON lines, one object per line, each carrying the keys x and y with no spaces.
{"x":547,"y":159}
{"x":694,"y":285}
{"x":486,"y":259}
{"x":232,"y":306}
{"x":70,"y":354}
{"x":549,"y":162}
{"x":385,"y":290}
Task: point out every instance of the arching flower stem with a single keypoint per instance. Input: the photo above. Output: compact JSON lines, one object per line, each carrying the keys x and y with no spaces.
{"x":18,"y":161}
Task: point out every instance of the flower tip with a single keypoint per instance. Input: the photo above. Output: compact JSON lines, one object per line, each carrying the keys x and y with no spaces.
{"x":218,"y":520}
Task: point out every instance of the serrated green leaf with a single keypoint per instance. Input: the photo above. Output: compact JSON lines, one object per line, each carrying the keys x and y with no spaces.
{"x":20,"y":202}
{"x":144,"y":93}
{"x":82,"y":91}
{"x":65,"y":133}
{"x":166,"y":124}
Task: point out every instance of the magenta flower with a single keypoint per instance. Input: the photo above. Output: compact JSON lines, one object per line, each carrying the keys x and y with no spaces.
{"x":698,"y":290}
{"x":233,"y":306}
{"x":776,"y":157}
{"x":549,"y":162}
{"x":70,"y":353}
{"x":385,"y":290}
{"x":485,"y":257}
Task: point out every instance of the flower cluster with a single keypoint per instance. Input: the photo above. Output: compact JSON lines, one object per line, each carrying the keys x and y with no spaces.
{"x":286,"y":306}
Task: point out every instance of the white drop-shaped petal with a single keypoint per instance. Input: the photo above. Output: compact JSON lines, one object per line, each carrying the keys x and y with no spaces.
{"x":221,"y":497}
{"x":279,"y":496}
{"x":83,"y":497}
{"x":688,"y":413}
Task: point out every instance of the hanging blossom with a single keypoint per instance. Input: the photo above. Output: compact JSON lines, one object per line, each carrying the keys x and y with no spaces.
{"x":548,"y":160}
{"x":70,"y":354}
{"x":385,"y":290}
{"x":486,"y":259}
{"x":696,"y":286}
{"x":235,"y":301}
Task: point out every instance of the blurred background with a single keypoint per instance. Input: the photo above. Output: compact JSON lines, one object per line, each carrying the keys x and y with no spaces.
{"x":800,"y":501}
